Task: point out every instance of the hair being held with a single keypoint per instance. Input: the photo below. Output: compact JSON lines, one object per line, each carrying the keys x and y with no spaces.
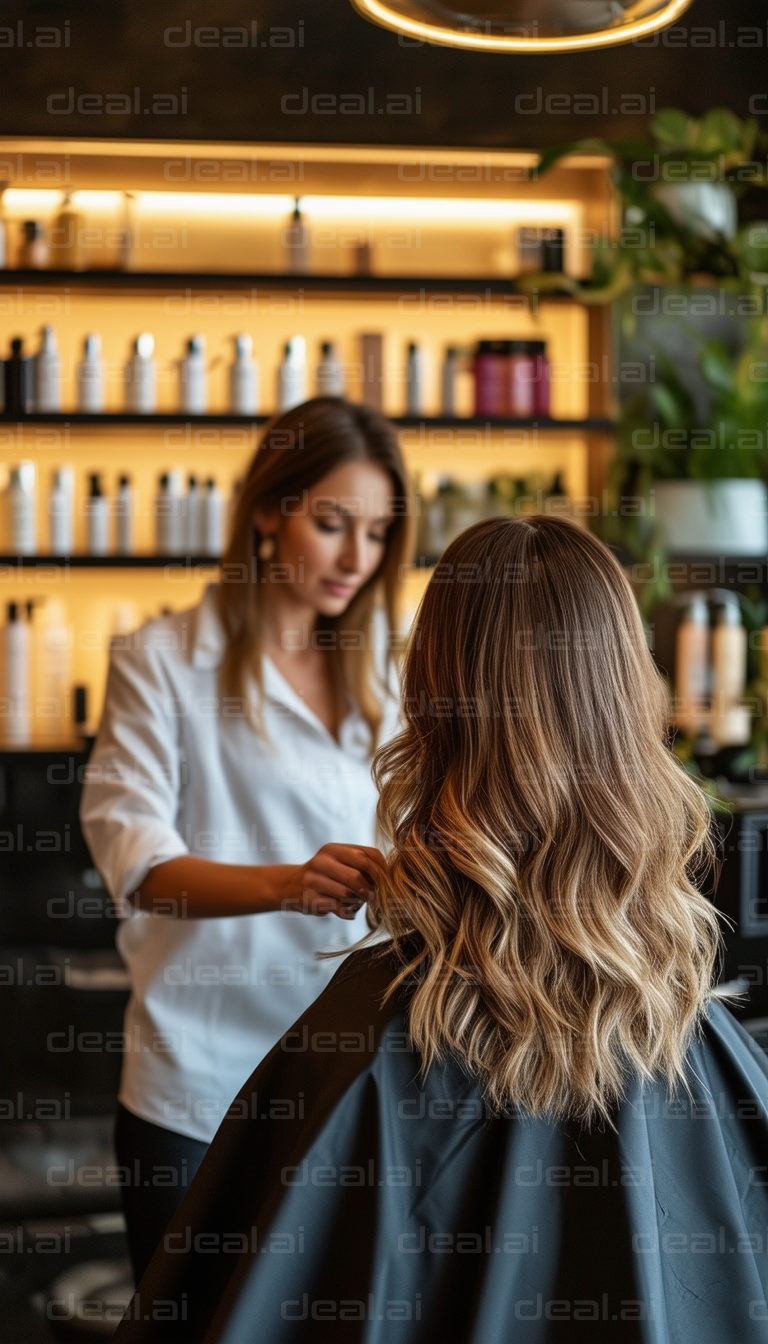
{"x":547,"y":843}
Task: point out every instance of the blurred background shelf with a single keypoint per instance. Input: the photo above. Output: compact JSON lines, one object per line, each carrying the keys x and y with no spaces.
{"x":596,"y":424}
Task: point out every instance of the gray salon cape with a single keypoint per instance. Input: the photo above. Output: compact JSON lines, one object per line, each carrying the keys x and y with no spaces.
{"x":344,"y":1198}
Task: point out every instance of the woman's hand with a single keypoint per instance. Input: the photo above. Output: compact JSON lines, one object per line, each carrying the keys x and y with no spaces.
{"x":337,"y":880}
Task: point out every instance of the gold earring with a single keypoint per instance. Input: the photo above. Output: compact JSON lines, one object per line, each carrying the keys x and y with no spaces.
{"x":266,"y":548}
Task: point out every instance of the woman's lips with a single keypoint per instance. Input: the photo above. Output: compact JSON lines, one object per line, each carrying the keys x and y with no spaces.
{"x":338,"y":589}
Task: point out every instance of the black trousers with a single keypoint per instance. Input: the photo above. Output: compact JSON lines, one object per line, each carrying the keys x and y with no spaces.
{"x":159,"y":1166}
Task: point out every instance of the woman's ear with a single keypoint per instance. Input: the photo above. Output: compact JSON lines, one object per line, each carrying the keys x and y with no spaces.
{"x":266,"y":519}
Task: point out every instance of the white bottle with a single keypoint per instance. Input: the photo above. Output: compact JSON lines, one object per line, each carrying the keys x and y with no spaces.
{"x":213,"y":525}
{"x":53,"y":641}
{"x":194,"y":378}
{"x":692,"y":666}
{"x":292,"y":375}
{"x":90,"y":377}
{"x":97,"y":513}
{"x":414,"y":373}
{"x":296,"y":242}
{"x":169,"y":514}
{"x":61,"y":503}
{"x":125,"y":511}
{"x":21,"y":508}
{"x":16,"y":678}
{"x":448,"y":381}
{"x":195,"y":518}
{"x":47,"y":373}
{"x":141,"y":376}
{"x":329,"y":374}
{"x":244,"y":378}
{"x":730,"y":719}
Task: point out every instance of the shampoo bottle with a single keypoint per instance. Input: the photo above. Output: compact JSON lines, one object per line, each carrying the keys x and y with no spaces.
{"x":17,"y":716}
{"x":61,"y":538}
{"x":90,"y":377}
{"x":141,"y":376}
{"x":97,"y":513}
{"x":292,"y":375}
{"x":692,"y":666}
{"x":21,"y":505}
{"x":48,"y":373}
{"x":213,"y":519}
{"x":448,"y":381}
{"x":296,"y":242}
{"x":195,"y":518}
{"x":414,"y":372}
{"x":329,"y":374}
{"x":125,"y":510}
{"x":730,"y":724}
{"x":244,"y":378}
{"x":194,"y":378}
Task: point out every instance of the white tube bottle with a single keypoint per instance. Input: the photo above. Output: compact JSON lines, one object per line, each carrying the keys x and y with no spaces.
{"x":195,"y":517}
{"x":292,"y":375}
{"x":21,"y":506}
{"x":47,"y":373}
{"x":16,"y":677}
{"x":414,"y":373}
{"x":296,"y":242}
{"x":730,"y":725}
{"x":61,"y":504}
{"x":213,"y":525}
{"x":448,"y":381}
{"x":692,"y":666}
{"x":97,"y":514}
{"x":90,"y":377}
{"x":141,"y":376}
{"x":244,"y":378}
{"x":125,"y":516}
{"x":193,"y":373}
{"x":329,"y":375}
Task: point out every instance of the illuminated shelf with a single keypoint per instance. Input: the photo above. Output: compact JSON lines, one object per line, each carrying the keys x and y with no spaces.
{"x":597,"y":424}
{"x":146,"y":561}
{"x":345,"y":284}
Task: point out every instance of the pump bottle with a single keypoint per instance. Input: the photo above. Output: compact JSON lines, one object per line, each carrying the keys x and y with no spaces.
{"x":90,"y":377}
{"x":244,"y":378}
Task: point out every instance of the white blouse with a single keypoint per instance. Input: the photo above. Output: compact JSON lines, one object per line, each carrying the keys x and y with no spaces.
{"x":177,"y":770}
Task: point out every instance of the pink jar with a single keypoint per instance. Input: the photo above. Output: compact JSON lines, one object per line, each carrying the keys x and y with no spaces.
{"x":538,"y":350}
{"x":491,"y":369}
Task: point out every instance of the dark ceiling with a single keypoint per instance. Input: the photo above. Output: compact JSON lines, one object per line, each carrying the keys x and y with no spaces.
{"x":314,"y":70}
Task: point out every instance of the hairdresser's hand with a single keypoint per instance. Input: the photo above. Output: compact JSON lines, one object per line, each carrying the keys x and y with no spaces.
{"x":336,"y":881}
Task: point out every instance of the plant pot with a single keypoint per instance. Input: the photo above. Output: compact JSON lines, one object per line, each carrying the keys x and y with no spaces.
{"x":727,"y":517}
{"x":708,"y":209}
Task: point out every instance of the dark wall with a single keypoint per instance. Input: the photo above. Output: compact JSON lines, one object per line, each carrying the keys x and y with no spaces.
{"x":120,"y":53}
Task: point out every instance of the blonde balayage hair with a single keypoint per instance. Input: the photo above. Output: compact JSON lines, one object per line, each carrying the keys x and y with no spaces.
{"x":296,"y":451}
{"x":546,"y":840}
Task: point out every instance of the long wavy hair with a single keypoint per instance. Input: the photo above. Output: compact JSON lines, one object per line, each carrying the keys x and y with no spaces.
{"x":297,"y":450}
{"x":541,"y":889}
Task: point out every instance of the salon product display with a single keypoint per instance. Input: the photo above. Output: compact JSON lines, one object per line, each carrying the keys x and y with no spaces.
{"x":711,"y":669}
{"x":448,"y":507}
{"x":61,"y":512}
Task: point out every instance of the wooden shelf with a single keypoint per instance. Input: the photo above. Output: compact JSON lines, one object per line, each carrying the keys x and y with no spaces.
{"x":595,"y":424}
{"x":309,"y":283}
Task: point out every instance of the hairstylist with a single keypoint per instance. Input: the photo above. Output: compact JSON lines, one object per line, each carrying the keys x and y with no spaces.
{"x":230,"y":801}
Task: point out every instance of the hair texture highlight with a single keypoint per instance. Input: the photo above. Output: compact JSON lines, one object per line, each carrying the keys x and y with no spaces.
{"x":546,"y":839}
{"x":296,"y":451}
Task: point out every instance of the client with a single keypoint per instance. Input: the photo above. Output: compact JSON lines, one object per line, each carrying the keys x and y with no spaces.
{"x":520,"y":1114}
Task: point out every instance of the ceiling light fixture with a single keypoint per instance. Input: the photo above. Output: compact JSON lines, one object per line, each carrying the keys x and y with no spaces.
{"x":523,"y":25}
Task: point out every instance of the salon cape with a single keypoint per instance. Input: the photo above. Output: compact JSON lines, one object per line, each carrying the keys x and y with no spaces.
{"x":178,"y":770}
{"x":346,"y":1199}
